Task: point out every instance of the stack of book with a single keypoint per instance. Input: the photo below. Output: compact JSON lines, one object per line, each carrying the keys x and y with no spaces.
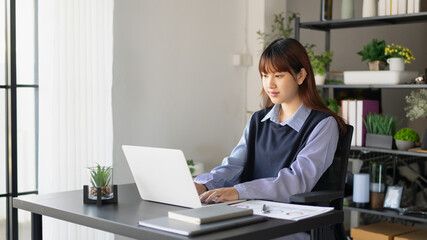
{"x":393,"y":7}
{"x":353,"y":112}
{"x":196,"y":221}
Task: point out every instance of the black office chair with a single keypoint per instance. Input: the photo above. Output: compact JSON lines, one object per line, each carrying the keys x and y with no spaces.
{"x":329,"y":190}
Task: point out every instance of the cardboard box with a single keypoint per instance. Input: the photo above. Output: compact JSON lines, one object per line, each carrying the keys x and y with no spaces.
{"x":380,"y":231}
{"x":417,"y":235}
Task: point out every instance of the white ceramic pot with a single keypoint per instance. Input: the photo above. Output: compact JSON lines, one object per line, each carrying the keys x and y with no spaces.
{"x":320,"y":79}
{"x":404,"y":145}
{"x":396,"y":64}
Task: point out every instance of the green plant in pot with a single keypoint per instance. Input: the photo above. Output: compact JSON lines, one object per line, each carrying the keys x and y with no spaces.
{"x":405,"y":138}
{"x":374,"y":52}
{"x":380,"y":130}
{"x":319,"y":63}
{"x":102,"y":177}
{"x":417,"y":109}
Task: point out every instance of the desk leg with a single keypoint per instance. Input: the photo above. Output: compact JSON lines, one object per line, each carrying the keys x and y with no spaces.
{"x":36,"y":227}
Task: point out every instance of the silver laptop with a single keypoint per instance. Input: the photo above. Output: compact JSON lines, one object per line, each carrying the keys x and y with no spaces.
{"x":162,"y":175}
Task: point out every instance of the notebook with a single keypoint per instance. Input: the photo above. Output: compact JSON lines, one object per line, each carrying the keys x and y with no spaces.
{"x":209,"y":214}
{"x":191,"y":229}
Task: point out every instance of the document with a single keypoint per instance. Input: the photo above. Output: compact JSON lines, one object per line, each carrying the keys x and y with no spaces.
{"x":285,"y":211}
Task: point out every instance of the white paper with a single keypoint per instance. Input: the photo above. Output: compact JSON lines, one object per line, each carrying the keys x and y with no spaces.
{"x":285,"y":211}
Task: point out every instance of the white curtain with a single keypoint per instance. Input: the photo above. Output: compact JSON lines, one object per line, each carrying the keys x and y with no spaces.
{"x":75,"y":80}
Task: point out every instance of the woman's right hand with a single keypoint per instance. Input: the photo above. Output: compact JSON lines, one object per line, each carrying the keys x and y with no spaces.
{"x":201,"y":188}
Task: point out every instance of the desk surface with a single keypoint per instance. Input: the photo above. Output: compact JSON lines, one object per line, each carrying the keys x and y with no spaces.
{"x":122,"y":218}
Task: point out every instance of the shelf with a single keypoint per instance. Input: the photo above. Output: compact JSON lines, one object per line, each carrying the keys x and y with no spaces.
{"x":365,"y":22}
{"x":389,"y":213}
{"x":390,"y":151}
{"x":397,"y":86}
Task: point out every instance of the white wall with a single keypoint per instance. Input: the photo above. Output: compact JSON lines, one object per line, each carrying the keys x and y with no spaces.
{"x":347,"y":42}
{"x":174,"y":83}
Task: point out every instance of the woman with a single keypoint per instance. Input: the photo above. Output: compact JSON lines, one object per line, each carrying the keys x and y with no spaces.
{"x":286,"y":147}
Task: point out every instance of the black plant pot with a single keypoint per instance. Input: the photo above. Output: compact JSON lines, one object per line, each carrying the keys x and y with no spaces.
{"x":424,"y":142}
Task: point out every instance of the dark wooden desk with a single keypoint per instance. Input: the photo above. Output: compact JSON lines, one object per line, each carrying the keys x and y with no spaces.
{"x":122,"y":218}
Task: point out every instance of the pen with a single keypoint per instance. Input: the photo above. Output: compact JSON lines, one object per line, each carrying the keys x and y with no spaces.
{"x":264,"y":209}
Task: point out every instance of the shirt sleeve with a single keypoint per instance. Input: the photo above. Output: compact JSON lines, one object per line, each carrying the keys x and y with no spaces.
{"x":311,"y":162}
{"x":228,"y":174}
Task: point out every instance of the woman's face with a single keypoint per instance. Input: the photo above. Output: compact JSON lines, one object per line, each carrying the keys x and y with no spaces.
{"x":281,"y":87}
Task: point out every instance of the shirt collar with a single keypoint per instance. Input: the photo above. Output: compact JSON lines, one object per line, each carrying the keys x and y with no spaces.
{"x":295,"y":122}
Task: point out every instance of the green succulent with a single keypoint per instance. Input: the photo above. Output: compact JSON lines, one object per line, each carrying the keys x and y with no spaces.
{"x":374,"y":51}
{"x":407,"y":134}
{"x":100,"y":176}
{"x":380,"y":124}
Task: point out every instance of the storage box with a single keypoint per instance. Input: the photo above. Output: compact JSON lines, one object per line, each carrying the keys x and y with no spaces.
{"x":417,"y":235}
{"x":380,"y":231}
{"x":379,"y":77}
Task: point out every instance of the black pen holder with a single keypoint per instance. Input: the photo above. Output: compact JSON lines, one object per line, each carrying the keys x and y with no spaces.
{"x":99,"y":201}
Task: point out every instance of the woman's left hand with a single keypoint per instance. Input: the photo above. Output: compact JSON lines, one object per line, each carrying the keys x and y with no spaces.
{"x":220,"y":194}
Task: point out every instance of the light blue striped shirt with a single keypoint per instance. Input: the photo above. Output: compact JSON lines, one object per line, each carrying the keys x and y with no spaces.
{"x":303,"y":174}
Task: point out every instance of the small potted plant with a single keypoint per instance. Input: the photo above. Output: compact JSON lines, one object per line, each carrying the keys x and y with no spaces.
{"x":405,"y":138}
{"x":101,"y":177}
{"x":374,"y":52}
{"x":196,"y":168}
{"x":319,"y":63}
{"x":380,"y":130}
{"x":417,"y":108}
{"x":398,"y":56}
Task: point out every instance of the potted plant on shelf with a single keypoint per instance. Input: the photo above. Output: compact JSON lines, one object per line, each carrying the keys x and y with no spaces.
{"x":101,"y":177}
{"x":417,"y":108}
{"x":380,"y":130}
{"x":405,"y":138}
{"x":397,"y":56}
{"x":374,"y":52}
{"x":319,"y":63}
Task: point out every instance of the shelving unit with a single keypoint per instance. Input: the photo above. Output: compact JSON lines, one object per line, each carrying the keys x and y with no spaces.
{"x":329,"y":25}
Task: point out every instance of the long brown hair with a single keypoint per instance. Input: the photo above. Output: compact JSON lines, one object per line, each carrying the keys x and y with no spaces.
{"x":288,"y":55}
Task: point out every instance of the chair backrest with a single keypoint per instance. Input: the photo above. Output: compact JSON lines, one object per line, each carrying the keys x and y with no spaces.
{"x":334,"y":177}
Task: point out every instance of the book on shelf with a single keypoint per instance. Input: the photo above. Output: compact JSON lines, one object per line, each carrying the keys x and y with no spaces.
{"x":363,"y":107}
{"x":209,"y":214}
{"x":353,"y":112}
{"x":381,"y":7}
{"x":401,"y":6}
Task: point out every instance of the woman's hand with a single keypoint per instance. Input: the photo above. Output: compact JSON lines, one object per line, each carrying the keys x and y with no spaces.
{"x":201,"y":188}
{"x":220,"y":194}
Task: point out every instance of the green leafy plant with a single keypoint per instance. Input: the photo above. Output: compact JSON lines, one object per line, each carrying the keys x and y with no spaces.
{"x":279,"y":29}
{"x":373,"y":51}
{"x":191,"y":163}
{"x":417,"y":104}
{"x":380,"y":124}
{"x":333,"y":105}
{"x":407,"y":134}
{"x":100,"y":176}
{"x":318,"y":62}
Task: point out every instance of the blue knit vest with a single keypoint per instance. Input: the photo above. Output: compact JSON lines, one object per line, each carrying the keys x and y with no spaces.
{"x":272,"y":147}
